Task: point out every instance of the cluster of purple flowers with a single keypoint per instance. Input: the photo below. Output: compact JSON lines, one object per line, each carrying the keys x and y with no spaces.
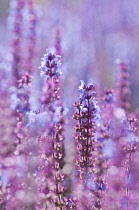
{"x":51,"y":65}
{"x":56,"y":156}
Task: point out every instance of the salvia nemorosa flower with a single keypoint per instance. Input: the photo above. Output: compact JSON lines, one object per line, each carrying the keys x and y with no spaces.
{"x":90,"y":157}
{"x":16,"y":43}
{"x":109,"y":96}
{"x":37,"y":167}
{"x":57,"y":44}
{"x":123,"y":85}
{"x":50,"y":65}
{"x":31,"y":34}
{"x":87,"y":115}
{"x":129,"y":149}
{"x":20,"y":96}
{"x":55,"y":148}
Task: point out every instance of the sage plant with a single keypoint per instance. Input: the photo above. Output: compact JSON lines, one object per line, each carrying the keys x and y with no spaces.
{"x":16,"y":43}
{"x":123,"y":85}
{"x":87,"y":113}
{"x":87,"y":159}
{"x":51,"y":68}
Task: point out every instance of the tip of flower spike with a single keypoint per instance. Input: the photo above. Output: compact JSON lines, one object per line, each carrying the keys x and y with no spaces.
{"x":123,"y":64}
{"x":82,"y":85}
{"x":118,"y":61}
{"x":50,"y":50}
{"x":50,"y":64}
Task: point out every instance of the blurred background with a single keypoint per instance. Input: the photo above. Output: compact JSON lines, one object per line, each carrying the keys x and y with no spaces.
{"x":94,"y":34}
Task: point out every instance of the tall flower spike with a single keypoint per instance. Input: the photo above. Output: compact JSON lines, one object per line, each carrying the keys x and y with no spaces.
{"x":31,"y":35}
{"x":57,"y":44}
{"x":123,"y":85}
{"x":87,"y":115}
{"x":130,"y":148}
{"x":50,"y":65}
{"x":20,"y":96}
{"x":16,"y":12}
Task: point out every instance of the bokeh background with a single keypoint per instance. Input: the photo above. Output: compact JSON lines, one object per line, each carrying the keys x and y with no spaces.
{"x":94,"y":33}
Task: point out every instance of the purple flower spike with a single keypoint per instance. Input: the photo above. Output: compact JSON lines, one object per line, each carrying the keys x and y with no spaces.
{"x":88,"y":113}
{"x":123,"y":85}
{"x":50,"y":65}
